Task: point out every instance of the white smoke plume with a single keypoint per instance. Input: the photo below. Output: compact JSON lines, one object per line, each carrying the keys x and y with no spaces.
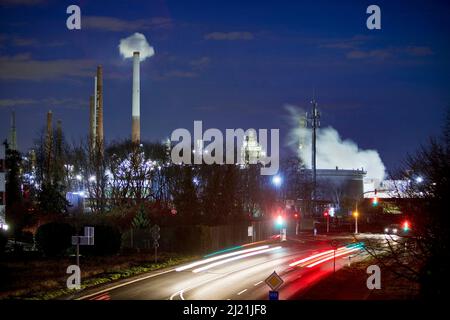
{"x":332,"y":150}
{"x":136,"y":42}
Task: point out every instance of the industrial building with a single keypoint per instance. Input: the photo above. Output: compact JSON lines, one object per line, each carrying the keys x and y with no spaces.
{"x":333,"y":183}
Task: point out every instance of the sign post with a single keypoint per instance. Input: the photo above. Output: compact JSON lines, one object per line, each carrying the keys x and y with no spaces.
{"x":86,"y":240}
{"x":155,"y":234}
{"x":334,"y":245}
{"x":274,"y":281}
{"x":250,"y":232}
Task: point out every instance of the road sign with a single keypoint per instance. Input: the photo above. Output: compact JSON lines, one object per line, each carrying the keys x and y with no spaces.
{"x":283,"y":234}
{"x":274,"y":281}
{"x":155,"y":232}
{"x":334,"y":244}
{"x":250,"y":231}
{"x":155,"y":235}
{"x":86,"y":240}
{"x":75,"y":240}
{"x":273,"y":295}
{"x":89,"y":231}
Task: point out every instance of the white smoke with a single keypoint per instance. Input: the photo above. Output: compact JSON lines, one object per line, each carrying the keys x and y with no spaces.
{"x":332,"y":150}
{"x":136,"y":42}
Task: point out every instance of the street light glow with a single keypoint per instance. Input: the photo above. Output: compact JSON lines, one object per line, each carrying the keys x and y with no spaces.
{"x":280,"y":220}
{"x":276,"y":180}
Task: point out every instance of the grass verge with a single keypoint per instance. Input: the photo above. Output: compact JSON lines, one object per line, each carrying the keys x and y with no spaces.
{"x":46,"y":279}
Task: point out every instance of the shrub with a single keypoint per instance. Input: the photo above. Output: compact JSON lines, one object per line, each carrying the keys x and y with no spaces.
{"x":54,"y":238}
{"x":3,"y":241}
{"x":107,"y":241}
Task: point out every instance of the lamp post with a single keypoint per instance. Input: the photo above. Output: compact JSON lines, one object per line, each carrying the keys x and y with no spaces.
{"x":356,"y":214}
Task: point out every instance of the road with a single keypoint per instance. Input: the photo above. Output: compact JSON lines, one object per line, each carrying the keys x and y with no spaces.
{"x":239,"y":274}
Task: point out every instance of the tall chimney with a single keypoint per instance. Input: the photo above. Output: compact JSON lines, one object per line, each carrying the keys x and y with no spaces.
{"x":58,"y":140}
{"x":13,"y":145}
{"x":99,"y":134}
{"x":48,"y":145}
{"x":135,"y":113}
{"x":92,"y":128}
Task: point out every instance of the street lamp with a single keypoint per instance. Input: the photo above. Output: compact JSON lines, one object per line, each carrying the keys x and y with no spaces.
{"x":356,"y":214}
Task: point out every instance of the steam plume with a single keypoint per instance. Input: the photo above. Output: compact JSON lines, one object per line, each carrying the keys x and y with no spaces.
{"x":332,"y":150}
{"x":136,"y":43}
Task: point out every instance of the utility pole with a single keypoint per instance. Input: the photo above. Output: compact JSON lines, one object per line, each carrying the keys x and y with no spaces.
{"x":314,"y":121}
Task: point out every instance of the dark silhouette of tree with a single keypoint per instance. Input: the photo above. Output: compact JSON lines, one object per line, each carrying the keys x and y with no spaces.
{"x":423,"y":256}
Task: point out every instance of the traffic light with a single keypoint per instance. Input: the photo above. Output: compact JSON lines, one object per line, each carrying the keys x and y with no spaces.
{"x":325,"y":213}
{"x":375,"y":199}
{"x":405,"y":226}
{"x":279,"y":220}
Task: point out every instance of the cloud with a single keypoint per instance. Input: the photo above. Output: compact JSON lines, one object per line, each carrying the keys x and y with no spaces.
{"x":24,"y":42}
{"x":136,"y":42}
{"x":390,"y":52}
{"x":200,"y":62}
{"x":237,"y":35}
{"x":45,"y":102}
{"x":418,"y":51}
{"x":174,"y":74}
{"x":354,"y":49}
{"x":16,"y":102}
{"x":180,"y":74}
{"x":332,"y":150}
{"x":344,"y":43}
{"x":23,"y":67}
{"x":18,"y":41}
{"x":21,"y":2}
{"x":116,"y":24}
{"x":377,"y":54}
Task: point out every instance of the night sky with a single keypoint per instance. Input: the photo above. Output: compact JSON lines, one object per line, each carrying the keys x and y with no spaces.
{"x":232,"y":64}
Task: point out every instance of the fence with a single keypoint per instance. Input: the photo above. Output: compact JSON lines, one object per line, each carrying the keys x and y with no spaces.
{"x":198,"y":239}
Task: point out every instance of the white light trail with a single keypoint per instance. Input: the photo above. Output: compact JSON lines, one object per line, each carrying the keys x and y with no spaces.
{"x":219,"y":257}
{"x":331,"y":257}
{"x":241,"y":292}
{"x":218,"y":263}
{"x":315,"y":256}
{"x":310,"y":258}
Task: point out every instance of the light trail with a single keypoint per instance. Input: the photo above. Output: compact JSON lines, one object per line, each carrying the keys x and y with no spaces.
{"x":310,"y":258}
{"x":242,"y":256}
{"x":332,"y":256}
{"x":316,"y":256}
{"x":241,"y":292}
{"x":198,"y":263}
{"x":223,"y":251}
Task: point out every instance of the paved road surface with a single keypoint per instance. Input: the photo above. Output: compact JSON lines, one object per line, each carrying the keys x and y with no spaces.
{"x":239,"y":274}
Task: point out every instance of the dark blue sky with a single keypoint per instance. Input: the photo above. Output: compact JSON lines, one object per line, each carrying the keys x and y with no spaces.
{"x":232,"y":64}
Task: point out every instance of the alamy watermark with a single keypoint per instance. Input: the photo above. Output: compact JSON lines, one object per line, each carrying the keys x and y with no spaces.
{"x":74,"y":280}
{"x":250,"y":148}
{"x":374,"y":280}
